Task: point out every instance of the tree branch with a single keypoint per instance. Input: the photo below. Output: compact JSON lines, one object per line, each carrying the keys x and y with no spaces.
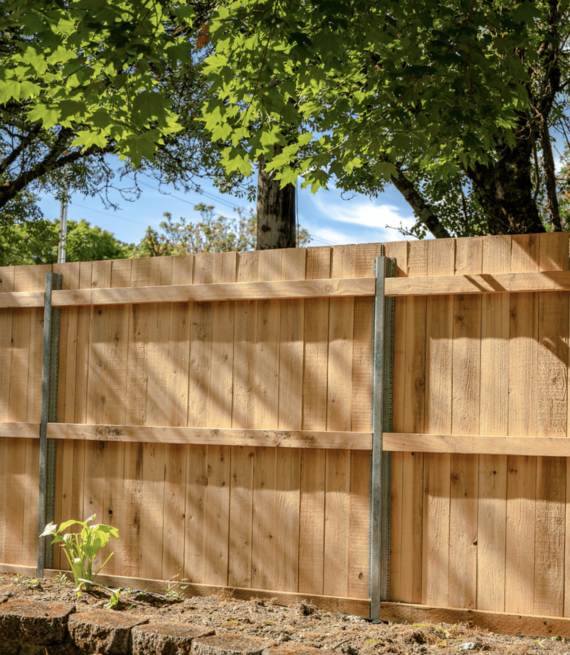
{"x":421,"y":209}
{"x":52,"y":161}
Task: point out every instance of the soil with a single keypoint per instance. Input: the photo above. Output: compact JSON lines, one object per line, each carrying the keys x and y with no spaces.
{"x":301,"y":625}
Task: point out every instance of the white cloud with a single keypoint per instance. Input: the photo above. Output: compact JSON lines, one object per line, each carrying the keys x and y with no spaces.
{"x":369,"y":215}
{"x":331,"y":236}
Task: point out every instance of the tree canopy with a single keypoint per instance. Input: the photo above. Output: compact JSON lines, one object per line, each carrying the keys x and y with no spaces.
{"x":36,"y":243}
{"x":413,"y":92}
{"x":84,"y":83}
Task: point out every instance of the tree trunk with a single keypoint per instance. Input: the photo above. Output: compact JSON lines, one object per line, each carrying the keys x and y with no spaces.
{"x":506,"y":190}
{"x":276,"y":218}
{"x":550,"y":179}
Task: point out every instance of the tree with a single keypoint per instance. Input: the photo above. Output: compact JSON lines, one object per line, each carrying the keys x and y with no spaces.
{"x":36,"y":243}
{"x":86,"y":82}
{"x":211,"y":234}
{"x":413,"y":92}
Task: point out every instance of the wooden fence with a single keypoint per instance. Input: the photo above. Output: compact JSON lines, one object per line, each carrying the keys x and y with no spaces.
{"x":230,"y":439}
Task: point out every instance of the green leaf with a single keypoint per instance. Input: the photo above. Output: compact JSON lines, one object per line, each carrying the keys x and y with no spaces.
{"x":150,"y":106}
{"x":88,"y":139}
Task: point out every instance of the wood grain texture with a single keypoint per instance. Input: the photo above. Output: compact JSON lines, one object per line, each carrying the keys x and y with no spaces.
{"x":411,"y":404}
{"x":552,"y":416}
{"x":339,"y":409}
{"x":438,"y":414}
{"x":492,"y":504}
{"x":398,"y":251}
{"x":521,"y":471}
{"x":486,"y":283}
{"x":466,"y":386}
{"x":313,"y":462}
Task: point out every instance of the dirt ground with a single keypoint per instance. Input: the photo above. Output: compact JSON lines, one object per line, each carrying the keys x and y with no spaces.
{"x":302,"y":624}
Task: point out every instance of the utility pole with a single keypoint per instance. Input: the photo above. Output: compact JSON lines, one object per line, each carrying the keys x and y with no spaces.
{"x":63,"y":218}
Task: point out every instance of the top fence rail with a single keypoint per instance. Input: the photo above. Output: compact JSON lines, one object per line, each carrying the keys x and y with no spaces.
{"x":330,"y":288}
{"x":298,"y":289}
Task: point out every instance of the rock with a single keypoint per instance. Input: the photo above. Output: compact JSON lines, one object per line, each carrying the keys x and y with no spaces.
{"x":468,"y":645}
{"x":34,"y":622}
{"x":104,"y":631}
{"x":59,"y":649}
{"x":166,"y":638}
{"x":297,"y":649}
{"x":417,"y":637}
{"x":305,"y":609}
{"x":230,"y":644}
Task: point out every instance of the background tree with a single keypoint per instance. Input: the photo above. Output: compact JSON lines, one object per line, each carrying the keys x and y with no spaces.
{"x":36,"y":243}
{"x":85,"y":84}
{"x":212,"y":233}
{"x":414,"y":92}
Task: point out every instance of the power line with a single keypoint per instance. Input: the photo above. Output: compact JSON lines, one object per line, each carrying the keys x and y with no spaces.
{"x":121,"y":218}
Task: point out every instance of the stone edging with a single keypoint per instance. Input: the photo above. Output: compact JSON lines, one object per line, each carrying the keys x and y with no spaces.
{"x":27,"y":627}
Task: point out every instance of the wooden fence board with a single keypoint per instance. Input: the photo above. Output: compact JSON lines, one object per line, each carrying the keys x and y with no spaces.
{"x":436,"y":505}
{"x":466,"y":386}
{"x":552,"y":412}
{"x":313,"y":463}
{"x":492,"y":483}
{"x":399,"y":251}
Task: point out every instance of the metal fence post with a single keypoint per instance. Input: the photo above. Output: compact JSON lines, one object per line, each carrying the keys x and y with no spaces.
{"x":382,"y":374}
{"x":48,"y":415}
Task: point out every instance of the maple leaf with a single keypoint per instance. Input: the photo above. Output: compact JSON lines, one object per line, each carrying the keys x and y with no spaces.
{"x":203,"y":38}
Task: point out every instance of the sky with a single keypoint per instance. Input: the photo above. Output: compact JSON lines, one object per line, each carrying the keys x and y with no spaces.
{"x":327,"y":216}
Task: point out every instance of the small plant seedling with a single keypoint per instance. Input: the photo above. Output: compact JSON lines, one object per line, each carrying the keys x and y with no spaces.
{"x":115,"y":593}
{"x":175,"y":585}
{"x":31,"y":583}
{"x":81,"y":548}
{"x":63,"y":580}
{"x":17,"y":580}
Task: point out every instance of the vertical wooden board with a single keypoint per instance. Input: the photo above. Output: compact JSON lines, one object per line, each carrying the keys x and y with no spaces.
{"x":96,"y":451}
{"x":359,"y":524}
{"x":6,"y":285}
{"x":243,"y":416}
{"x":313,"y":462}
{"x":288,"y":460}
{"x":116,"y":357}
{"x":136,"y":401}
{"x":177,"y":399}
{"x":552,"y":415}
{"x":399,"y":251}
{"x":413,"y":388}
{"x":195,"y":513}
{"x":64,"y":339}
{"x":219,"y":414}
{"x":492,"y":484}
{"x":154,"y":455}
{"x":521,"y":471}
{"x":266,"y":415}
{"x":436,"y":505}
{"x":312,"y":524}
{"x":36,"y":281}
{"x":466,"y":384}
{"x":22,"y":476}
{"x":359,"y":495}
{"x":339,"y":410}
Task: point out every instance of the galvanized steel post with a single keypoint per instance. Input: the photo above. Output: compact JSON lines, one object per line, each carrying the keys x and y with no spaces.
{"x":382,"y":374}
{"x":48,"y":415}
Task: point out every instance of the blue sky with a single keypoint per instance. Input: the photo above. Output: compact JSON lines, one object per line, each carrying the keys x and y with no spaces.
{"x":329,"y":218}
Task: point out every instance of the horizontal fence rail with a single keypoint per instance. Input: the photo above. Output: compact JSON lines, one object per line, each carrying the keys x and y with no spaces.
{"x":288,"y":290}
{"x":198,"y":436}
{"x":477,"y":445}
{"x":478,"y":284}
